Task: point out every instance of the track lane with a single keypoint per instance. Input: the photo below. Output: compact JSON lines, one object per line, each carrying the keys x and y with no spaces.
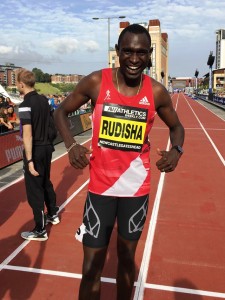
{"x":191,"y":220}
{"x":61,"y":254}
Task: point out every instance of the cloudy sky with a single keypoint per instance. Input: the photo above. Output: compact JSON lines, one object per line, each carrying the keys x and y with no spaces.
{"x":60,"y":36}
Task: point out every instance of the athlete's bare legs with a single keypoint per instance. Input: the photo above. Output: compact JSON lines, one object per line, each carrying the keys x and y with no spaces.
{"x":94,"y":259}
{"x":126,"y":268}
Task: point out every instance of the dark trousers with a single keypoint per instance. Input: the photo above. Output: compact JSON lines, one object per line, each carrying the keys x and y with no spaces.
{"x":40,"y":191}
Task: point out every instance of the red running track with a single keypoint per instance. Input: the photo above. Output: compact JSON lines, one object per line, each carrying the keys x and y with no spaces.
{"x":181,"y":254}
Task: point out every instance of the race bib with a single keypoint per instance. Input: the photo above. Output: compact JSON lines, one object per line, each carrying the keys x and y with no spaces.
{"x":122,"y":127}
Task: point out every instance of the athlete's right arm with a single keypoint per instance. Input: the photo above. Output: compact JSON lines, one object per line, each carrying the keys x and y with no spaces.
{"x":88,"y":88}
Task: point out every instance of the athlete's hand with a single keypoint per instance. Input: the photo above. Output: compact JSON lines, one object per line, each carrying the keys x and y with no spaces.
{"x":32,"y":169}
{"x":168,"y":161}
{"x":78,"y":156}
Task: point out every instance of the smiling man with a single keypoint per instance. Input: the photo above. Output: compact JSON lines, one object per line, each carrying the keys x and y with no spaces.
{"x":124,"y":103}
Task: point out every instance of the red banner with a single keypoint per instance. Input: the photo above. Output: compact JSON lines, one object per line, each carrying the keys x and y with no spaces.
{"x":86,"y":121}
{"x":11,"y":146}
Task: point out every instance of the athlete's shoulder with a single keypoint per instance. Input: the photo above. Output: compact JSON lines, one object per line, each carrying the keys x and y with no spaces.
{"x":94,"y":77}
{"x":89,"y":86}
{"x":160,"y":93}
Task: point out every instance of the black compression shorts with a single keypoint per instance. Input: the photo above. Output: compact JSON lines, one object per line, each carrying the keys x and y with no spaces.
{"x":101,"y":212}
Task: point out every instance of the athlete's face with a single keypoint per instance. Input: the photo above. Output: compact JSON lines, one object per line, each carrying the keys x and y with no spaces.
{"x":134,"y":53}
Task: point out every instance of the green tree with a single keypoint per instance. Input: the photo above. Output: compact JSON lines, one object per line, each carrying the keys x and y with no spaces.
{"x":46,"y":77}
{"x":40,"y":76}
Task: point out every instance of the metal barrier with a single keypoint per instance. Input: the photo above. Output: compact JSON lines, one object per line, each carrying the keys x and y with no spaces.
{"x":218,"y":101}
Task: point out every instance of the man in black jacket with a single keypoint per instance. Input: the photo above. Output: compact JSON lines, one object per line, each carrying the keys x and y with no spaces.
{"x":34,"y":113}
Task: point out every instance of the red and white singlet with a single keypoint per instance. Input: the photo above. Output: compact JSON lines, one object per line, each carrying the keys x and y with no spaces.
{"x":120,"y":161}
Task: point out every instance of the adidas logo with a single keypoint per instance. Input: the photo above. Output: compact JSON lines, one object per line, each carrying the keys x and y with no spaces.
{"x":144,"y":101}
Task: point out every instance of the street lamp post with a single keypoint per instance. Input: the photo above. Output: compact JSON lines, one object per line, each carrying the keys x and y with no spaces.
{"x":109,"y":18}
{"x":189,"y":85}
{"x":210,"y":63}
{"x":196,"y":80}
{"x":162,"y":76}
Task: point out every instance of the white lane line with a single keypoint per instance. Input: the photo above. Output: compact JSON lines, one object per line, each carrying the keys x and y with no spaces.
{"x":208,"y":136}
{"x":43,"y":271}
{"x":73,"y":195}
{"x":142,"y":276}
{"x":54,"y":273}
{"x":185,"y":291}
{"x":113,"y":281}
{"x":11,"y":183}
{"x":13,"y":254}
{"x":25,"y":243}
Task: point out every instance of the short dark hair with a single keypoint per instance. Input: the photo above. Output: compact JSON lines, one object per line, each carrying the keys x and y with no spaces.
{"x":134,"y":28}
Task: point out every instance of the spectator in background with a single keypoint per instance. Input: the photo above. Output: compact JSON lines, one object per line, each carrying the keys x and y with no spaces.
{"x":55,"y":103}
{"x":5,"y":102}
{"x":59,"y":99}
{"x":9,"y":102}
{"x":50,"y":100}
{"x":5,"y":124}
{"x":12,"y":116}
{"x":34,"y":113}
{"x":1,"y":101}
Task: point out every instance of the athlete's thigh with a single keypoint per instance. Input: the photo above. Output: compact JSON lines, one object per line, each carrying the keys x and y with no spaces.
{"x":131,"y":216}
{"x":99,"y":218}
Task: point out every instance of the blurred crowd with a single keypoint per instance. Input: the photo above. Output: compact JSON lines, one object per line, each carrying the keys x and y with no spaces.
{"x":55,"y":100}
{"x":220,"y":94}
{"x":8,"y":117}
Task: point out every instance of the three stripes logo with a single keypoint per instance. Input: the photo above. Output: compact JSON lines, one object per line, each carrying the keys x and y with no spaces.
{"x":144,"y":101}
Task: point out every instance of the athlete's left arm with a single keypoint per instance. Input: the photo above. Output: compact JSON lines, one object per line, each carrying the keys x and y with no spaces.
{"x":164,"y":107}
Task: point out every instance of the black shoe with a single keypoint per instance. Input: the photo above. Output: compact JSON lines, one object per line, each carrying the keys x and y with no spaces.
{"x":35,"y":235}
{"x":52,"y":219}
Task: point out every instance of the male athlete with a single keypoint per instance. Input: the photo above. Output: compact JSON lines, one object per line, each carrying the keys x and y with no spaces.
{"x":124,"y":104}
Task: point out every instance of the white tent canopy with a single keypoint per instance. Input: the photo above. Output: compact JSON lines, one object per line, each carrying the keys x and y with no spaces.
{"x":15,"y":100}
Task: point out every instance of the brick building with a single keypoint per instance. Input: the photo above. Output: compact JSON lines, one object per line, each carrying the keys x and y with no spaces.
{"x":60,"y":78}
{"x":8,"y":74}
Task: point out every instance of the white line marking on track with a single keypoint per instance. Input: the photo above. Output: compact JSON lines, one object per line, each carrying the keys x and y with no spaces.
{"x":141,"y":283}
{"x":185,"y":291}
{"x":113,"y":281}
{"x":206,"y":133}
{"x":11,"y":183}
{"x":73,"y":195}
{"x":44,"y":271}
{"x":14,"y":254}
{"x":139,"y":291}
{"x":25,"y":243}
